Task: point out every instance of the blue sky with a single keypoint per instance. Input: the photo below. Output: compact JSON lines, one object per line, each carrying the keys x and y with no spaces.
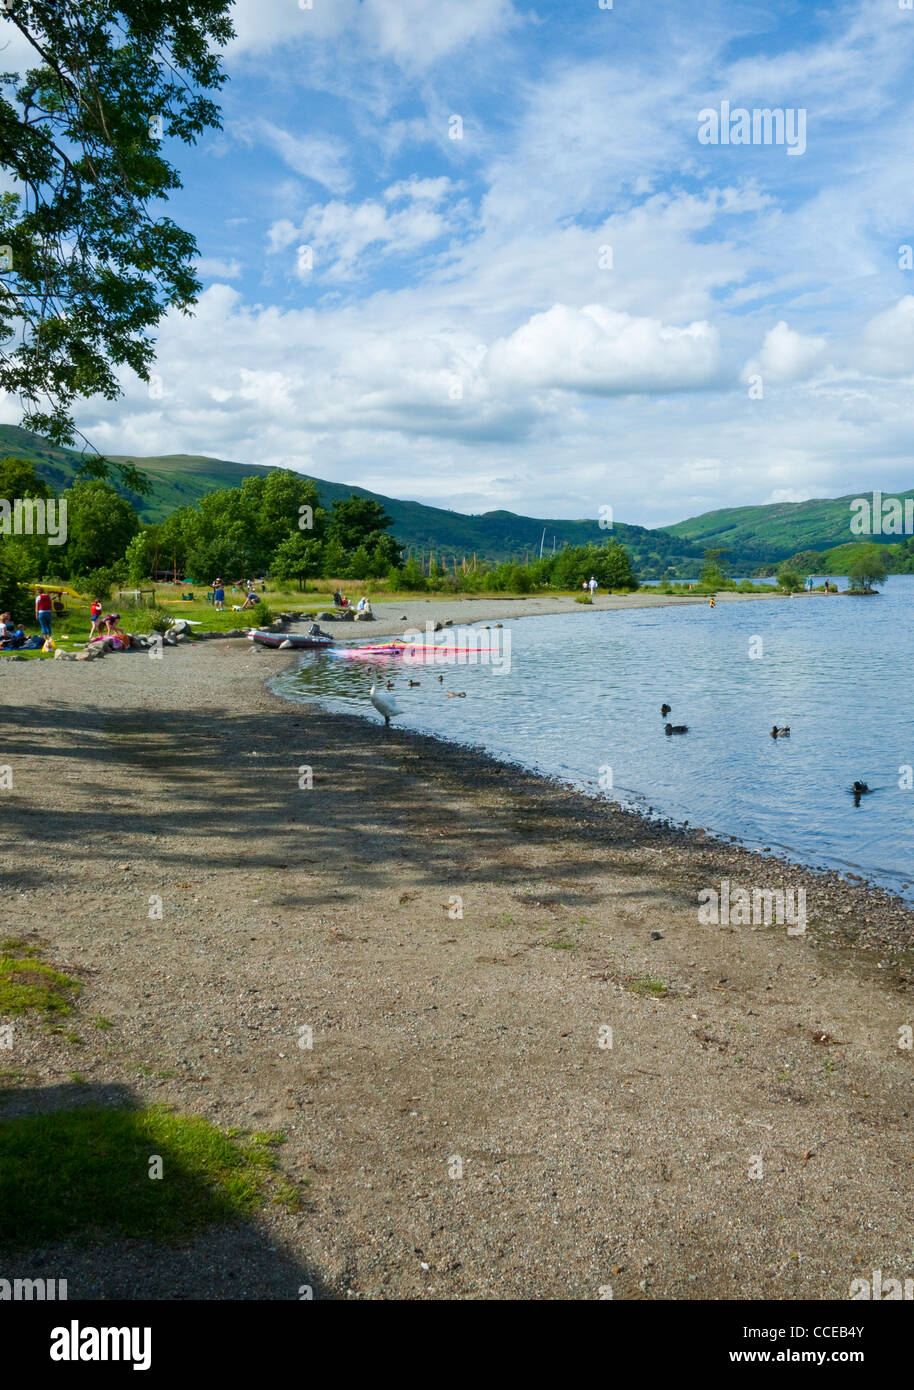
{"x":439,"y":318}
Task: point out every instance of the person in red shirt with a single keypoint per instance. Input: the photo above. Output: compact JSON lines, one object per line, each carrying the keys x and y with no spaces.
{"x":43,"y":610}
{"x":95,"y":613}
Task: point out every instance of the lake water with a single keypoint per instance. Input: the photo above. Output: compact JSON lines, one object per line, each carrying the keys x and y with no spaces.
{"x":584,"y":691}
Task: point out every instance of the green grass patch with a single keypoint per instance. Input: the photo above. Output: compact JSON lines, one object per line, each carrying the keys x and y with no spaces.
{"x":649,"y":986}
{"x":84,"y":1175}
{"x":27,"y":983}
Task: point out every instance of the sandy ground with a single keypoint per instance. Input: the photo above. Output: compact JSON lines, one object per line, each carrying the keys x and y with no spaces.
{"x":465,"y":1129}
{"x":390,"y":617}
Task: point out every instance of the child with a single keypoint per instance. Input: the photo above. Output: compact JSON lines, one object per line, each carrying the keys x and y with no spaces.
{"x":218,"y":595}
{"x":95,"y":613}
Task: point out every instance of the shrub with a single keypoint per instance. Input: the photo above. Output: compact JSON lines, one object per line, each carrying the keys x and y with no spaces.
{"x":790,"y":581}
{"x":99,"y":583}
{"x":141,"y":619}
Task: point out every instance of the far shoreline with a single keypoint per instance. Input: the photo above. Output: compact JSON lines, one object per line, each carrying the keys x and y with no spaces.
{"x":391,"y":614}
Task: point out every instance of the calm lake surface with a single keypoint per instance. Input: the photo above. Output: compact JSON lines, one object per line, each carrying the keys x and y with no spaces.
{"x":584,"y":691}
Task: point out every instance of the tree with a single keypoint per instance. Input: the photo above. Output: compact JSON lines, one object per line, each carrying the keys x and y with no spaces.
{"x":298,"y":557}
{"x":87,"y":269}
{"x":29,"y":555}
{"x":286,"y":504}
{"x":714,"y":576}
{"x":790,"y":580}
{"x":100,"y":525}
{"x":136,"y":558}
{"x":15,"y":599}
{"x":867,"y":568}
{"x":608,"y":563}
{"x":356,"y":521}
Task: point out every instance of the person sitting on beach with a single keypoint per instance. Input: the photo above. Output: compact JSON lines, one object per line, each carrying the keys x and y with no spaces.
{"x":363,"y":605}
{"x":7,"y":626}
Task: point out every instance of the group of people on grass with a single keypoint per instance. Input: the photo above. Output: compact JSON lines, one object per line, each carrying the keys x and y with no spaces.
{"x":13,"y":635}
{"x":251,"y":596}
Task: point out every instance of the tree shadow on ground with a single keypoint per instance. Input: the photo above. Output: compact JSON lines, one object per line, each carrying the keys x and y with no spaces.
{"x":78,"y":1201}
{"x":378,"y":799}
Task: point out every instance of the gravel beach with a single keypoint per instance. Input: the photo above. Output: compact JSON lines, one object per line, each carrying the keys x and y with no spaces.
{"x":460,"y":937}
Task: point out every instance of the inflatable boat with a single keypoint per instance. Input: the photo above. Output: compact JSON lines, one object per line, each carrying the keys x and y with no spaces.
{"x":277,"y":639}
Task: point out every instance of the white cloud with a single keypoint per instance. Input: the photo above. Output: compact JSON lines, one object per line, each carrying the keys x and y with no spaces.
{"x":212,"y":268}
{"x":321,"y":158}
{"x":785,"y":356}
{"x":604,"y":352}
{"x":887,"y":343}
{"x":345,"y":240}
{"x":412,"y":33}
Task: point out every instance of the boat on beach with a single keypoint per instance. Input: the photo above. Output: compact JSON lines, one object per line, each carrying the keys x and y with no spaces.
{"x":280,"y":639}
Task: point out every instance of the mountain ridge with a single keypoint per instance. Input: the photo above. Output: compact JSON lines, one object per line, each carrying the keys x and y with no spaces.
{"x":754,"y":536}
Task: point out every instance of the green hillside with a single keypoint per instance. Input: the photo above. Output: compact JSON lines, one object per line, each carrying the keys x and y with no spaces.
{"x":753,"y":536}
{"x":177,"y":480}
{"x":777,"y":530}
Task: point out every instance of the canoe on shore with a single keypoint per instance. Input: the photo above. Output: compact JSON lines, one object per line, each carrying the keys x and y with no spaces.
{"x":276,"y":639}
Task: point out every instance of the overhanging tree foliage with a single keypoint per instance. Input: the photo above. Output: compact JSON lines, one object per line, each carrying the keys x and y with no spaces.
{"x":88,"y":265}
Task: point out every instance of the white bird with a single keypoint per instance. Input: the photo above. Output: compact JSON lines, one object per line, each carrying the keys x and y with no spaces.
{"x":384,"y":704}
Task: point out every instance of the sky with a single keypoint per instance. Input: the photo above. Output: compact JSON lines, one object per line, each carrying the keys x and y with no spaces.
{"x":475,"y":253}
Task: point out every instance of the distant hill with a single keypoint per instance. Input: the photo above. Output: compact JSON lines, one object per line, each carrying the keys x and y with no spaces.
{"x":777,"y":530}
{"x":178,"y":480}
{"x":753,"y":536}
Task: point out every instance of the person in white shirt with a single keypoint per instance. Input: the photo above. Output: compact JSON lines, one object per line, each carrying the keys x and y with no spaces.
{"x":592,"y":586}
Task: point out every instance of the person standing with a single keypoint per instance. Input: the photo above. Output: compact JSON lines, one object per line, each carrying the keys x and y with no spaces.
{"x":43,"y":611}
{"x":95,"y":613}
{"x":218,"y":595}
{"x":592,"y":586}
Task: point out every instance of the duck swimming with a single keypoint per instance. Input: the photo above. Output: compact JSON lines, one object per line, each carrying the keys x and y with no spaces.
{"x":676,"y":728}
{"x":781,"y":733}
{"x":664,"y":711}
